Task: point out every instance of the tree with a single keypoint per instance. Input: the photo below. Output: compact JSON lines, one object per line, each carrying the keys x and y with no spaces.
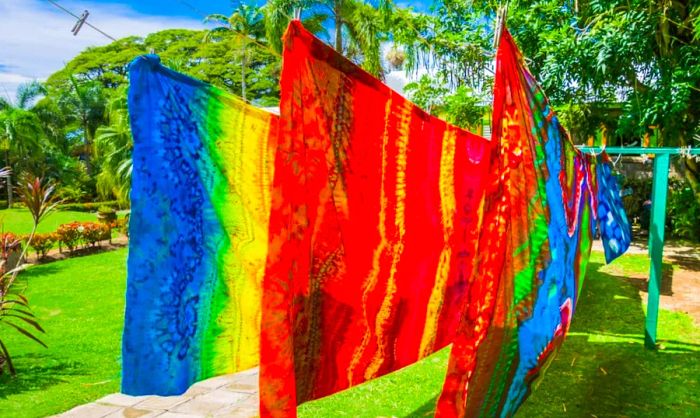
{"x":359,"y":27}
{"x":462,"y":107}
{"x":641,"y":57}
{"x":20,"y":132}
{"x":113,"y":145}
{"x":85,"y":104}
{"x":246,"y":22}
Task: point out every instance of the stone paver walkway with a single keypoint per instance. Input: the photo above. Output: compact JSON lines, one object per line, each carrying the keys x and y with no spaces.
{"x":234,"y":396}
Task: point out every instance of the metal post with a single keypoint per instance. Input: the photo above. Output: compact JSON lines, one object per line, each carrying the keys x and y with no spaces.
{"x":656,"y":244}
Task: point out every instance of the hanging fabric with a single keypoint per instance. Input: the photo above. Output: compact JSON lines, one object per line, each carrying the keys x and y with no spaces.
{"x":614,"y":227}
{"x":203,"y":165}
{"x":376,"y":211}
{"x":533,"y":250}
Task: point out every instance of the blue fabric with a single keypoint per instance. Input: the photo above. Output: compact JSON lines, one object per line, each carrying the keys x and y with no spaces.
{"x":614,"y":228}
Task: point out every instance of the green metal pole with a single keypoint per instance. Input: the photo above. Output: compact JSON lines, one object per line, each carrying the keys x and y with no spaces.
{"x":656,"y":244}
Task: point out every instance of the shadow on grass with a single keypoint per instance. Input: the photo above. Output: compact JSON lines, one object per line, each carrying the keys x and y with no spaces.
{"x":603,"y":368}
{"x":33,"y":373}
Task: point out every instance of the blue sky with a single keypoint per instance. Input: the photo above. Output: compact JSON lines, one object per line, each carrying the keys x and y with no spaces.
{"x":36,"y":37}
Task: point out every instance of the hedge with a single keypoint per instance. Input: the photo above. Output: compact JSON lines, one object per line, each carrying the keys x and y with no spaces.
{"x":88,"y":207}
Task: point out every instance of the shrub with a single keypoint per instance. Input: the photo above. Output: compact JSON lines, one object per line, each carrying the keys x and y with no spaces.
{"x":42,"y":243}
{"x":89,"y":207}
{"x":684,"y":212}
{"x":70,"y":235}
{"x":93,"y":233}
{"x":88,"y":233}
{"x":122,"y":225}
{"x":106,"y":215}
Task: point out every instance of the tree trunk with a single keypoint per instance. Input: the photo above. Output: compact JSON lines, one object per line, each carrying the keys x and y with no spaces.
{"x":8,"y":180}
{"x":88,"y":148}
{"x":244,"y":66}
{"x":338,"y":27}
{"x":691,"y":174}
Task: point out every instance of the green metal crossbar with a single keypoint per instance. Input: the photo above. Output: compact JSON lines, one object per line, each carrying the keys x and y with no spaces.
{"x":662,"y":163}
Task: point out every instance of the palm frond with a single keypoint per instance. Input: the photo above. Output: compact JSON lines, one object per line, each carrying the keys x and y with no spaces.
{"x":27,"y":92}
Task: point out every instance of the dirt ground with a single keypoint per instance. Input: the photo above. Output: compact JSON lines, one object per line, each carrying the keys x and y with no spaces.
{"x":680,"y":284}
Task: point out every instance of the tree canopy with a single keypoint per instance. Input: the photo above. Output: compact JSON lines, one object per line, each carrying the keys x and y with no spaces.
{"x":630,"y":67}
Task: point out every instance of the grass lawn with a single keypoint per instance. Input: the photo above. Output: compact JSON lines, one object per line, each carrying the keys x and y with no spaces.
{"x":80,"y":304}
{"x":602,"y":369}
{"x":19,"y":221}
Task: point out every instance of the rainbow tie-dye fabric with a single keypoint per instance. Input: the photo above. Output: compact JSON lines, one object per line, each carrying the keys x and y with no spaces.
{"x":377,"y":208}
{"x":203,"y":163}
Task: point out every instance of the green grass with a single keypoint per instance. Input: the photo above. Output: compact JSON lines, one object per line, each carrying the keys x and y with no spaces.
{"x":19,"y":221}
{"x":80,"y":303}
{"x":602,"y":370}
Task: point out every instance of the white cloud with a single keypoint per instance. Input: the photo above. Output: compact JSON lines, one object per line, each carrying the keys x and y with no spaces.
{"x":36,"y":39}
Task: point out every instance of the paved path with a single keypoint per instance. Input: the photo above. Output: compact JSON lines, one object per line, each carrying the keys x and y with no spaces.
{"x":234,"y":396}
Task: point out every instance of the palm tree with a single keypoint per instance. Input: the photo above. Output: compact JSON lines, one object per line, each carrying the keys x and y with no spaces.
{"x":113,"y":145}
{"x":20,"y":130}
{"x":247,"y":22}
{"x":278,"y":14}
{"x":363,"y":24}
{"x":84,"y":103}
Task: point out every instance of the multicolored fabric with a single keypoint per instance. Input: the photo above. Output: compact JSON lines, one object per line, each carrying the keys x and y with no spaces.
{"x":533,"y":251}
{"x":614,"y":228}
{"x":376,"y":209}
{"x":203,"y":163}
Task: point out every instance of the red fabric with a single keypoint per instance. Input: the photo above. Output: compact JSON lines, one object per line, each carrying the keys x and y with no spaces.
{"x":375,"y":213}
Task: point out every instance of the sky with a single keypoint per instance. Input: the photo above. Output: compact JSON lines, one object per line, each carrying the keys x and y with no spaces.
{"x":36,"y":38}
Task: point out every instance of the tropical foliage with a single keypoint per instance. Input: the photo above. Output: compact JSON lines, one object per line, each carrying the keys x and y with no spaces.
{"x":15,"y":313}
{"x":627,"y":68}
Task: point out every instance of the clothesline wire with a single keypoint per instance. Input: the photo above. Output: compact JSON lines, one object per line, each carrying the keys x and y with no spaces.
{"x":86,"y":22}
{"x":110,"y":37}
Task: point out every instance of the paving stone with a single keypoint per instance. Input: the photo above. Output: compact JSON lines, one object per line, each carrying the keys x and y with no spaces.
{"x":178,"y":415}
{"x":237,"y":412}
{"x":212,"y":402}
{"x":91,"y":410}
{"x":156,"y":403}
{"x":135,"y":413}
{"x":233,"y":396}
{"x":195,"y":390}
{"x":224,"y":396}
{"x":216,"y":382}
{"x":243,"y":387}
{"x":254,"y":370}
{"x":198,"y":407}
{"x":252,"y":402}
{"x":247,"y":379}
{"x":119,"y":399}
